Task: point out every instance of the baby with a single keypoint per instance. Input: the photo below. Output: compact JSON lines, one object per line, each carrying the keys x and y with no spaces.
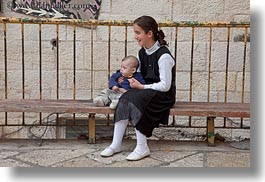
{"x":118,"y":83}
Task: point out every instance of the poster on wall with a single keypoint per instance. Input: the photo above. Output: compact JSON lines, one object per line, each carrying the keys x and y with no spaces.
{"x":74,"y":9}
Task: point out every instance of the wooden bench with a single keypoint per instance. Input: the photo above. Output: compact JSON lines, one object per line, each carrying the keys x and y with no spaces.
{"x":206,"y":109}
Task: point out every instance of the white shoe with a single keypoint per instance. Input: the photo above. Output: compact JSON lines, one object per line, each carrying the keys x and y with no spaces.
{"x":108,"y":152}
{"x":113,"y":104}
{"x":135,"y":156}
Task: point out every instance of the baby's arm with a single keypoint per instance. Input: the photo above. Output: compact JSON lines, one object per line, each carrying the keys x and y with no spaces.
{"x":122,"y":90}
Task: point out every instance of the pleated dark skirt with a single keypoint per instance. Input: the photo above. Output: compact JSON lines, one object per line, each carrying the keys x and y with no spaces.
{"x":145,"y":109}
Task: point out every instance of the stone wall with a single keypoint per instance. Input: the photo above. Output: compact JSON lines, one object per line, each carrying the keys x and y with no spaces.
{"x":162,"y":11}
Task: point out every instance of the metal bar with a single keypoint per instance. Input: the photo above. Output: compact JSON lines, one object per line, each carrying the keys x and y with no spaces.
{"x":74,"y":63}
{"x":176,"y":45}
{"x":40,"y":68}
{"x":226,"y":67}
{"x":191,"y":63}
{"x":191,"y":68}
{"x":40,"y":62}
{"x":74,"y":68}
{"x":119,"y":22}
{"x":57,"y":61}
{"x":209,"y":64}
{"x":5,"y":60}
{"x":109,"y":39}
{"x":227,"y":63}
{"x":109,"y":45}
{"x":244,"y":71}
{"x":23,"y":60}
{"x":92,"y":66}
{"x":23,"y":67}
{"x":244,"y":66}
{"x":175,"y":56}
{"x":57,"y":67}
{"x":126,"y":41}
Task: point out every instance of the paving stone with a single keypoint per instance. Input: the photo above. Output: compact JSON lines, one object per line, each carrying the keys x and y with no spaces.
{"x":77,"y":153}
{"x":194,"y":160}
{"x":5,"y":154}
{"x":227,"y":159}
{"x":82,"y":161}
{"x":242,"y":145}
{"x":49,"y":157}
{"x":12,"y":163}
{"x":169,"y":155}
{"x":146,"y":162}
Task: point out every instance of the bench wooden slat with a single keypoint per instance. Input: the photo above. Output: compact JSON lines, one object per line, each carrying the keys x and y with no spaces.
{"x":54,"y":106}
{"x":86,"y":106}
{"x":211,"y":109}
{"x":206,"y":109}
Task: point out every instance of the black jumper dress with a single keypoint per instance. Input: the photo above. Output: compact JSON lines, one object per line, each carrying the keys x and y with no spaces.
{"x":147,"y":108}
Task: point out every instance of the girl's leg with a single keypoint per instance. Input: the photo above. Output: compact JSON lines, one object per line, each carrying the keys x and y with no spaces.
{"x":115,"y":147}
{"x":141,"y":150}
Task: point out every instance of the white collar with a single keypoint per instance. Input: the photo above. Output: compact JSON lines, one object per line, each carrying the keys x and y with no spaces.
{"x":153,"y":48}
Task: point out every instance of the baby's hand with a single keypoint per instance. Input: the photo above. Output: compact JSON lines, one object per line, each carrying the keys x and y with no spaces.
{"x":120,"y":79}
{"x":115,"y":88}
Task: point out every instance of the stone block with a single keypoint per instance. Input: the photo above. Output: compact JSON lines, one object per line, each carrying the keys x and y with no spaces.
{"x":232,"y":159}
{"x":237,"y":7}
{"x":101,"y":80}
{"x":203,"y":7}
{"x":183,"y":57}
{"x":217,"y":81}
{"x":83,"y":80}
{"x":199,"y":96}
{"x":200,"y":81}
{"x":136,"y":8}
{"x":183,"y":80}
{"x":182,"y":95}
{"x":239,"y":82}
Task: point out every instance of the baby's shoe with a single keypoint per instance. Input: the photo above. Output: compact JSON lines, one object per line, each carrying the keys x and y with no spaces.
{"x":99,"y":101}
{"x":113,"y":104}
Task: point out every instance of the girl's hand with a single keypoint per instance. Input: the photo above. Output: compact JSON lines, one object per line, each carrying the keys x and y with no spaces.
{"x":135,"y":84}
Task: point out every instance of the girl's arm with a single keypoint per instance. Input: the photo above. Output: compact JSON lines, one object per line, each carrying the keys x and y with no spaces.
{"x":165,"y":63}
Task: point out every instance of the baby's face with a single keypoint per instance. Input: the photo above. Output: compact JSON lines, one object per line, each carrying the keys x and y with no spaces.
{"x":126,"y":69}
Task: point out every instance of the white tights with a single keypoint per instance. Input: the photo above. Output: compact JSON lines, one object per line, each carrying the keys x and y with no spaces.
{"x":141,"y":146}
{"x":119,"y":130}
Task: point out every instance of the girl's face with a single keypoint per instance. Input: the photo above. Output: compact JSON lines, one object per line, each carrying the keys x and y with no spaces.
{"x":144,"y":39}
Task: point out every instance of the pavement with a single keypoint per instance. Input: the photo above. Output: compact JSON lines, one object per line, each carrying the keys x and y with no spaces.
{"x":77,"y":153}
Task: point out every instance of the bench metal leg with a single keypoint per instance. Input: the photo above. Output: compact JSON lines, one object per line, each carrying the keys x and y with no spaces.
{"x":210,"y":131}
{"x":91,"y":128}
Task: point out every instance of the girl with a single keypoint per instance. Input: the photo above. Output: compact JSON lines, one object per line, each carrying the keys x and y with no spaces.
{"x":146,"y":105}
